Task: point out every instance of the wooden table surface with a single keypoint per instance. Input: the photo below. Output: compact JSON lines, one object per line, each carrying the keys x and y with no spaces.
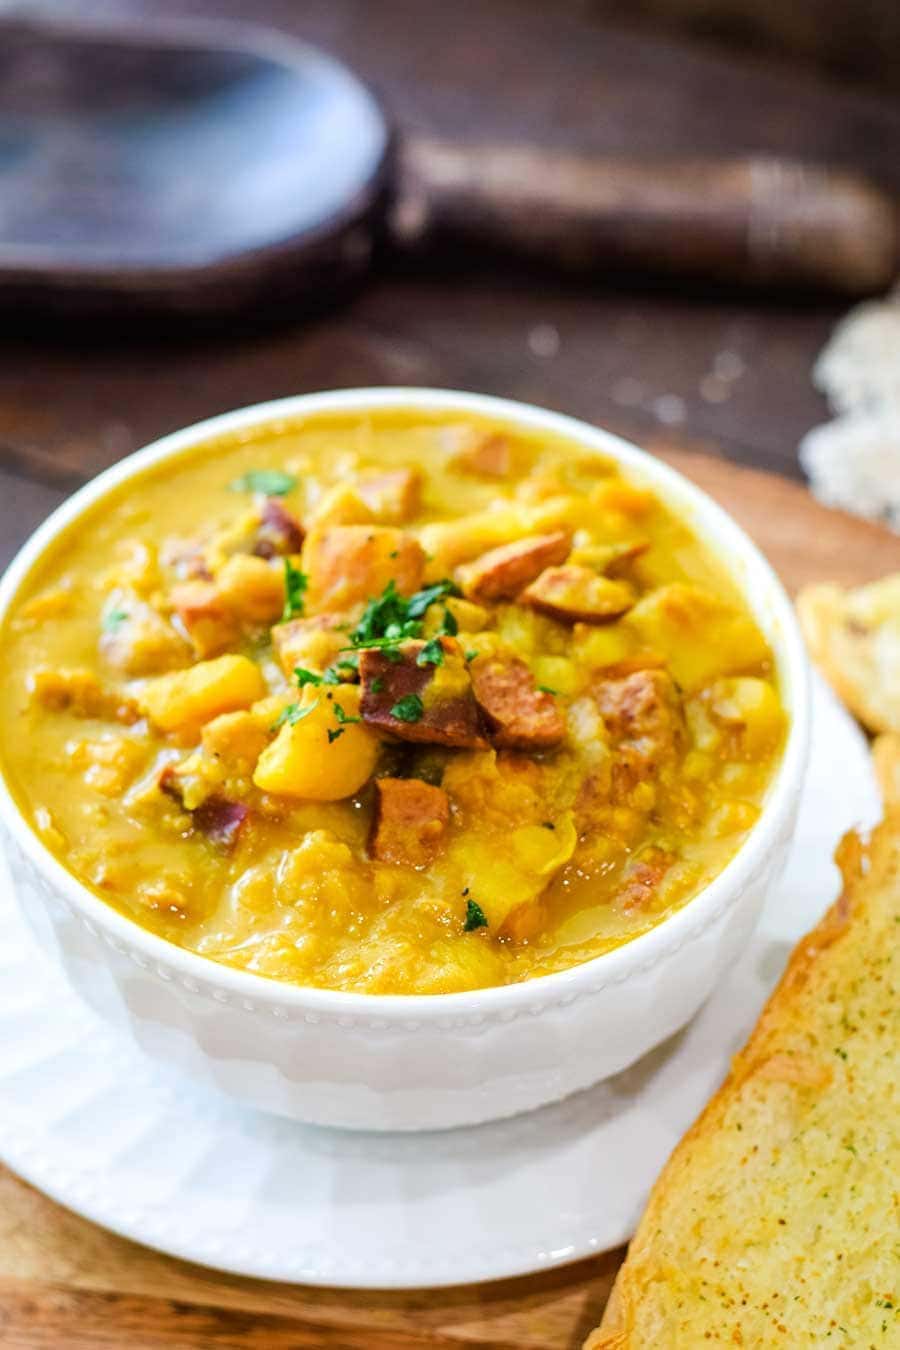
{"x":650,"y":365}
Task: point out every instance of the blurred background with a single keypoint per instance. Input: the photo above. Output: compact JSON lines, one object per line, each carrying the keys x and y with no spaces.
{"x":664,"y":350}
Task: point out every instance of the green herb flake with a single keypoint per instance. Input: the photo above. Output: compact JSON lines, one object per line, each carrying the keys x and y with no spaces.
{"x":377,"y":685}
{"x":295,"y":584}
{"x":293,"y":713}
{"x":331,"y":676}
{"x":432,"y":654}
{"x":838,"y":1050}
{"x":475,"y":917}
{"x":271,"y":482}
{"x":409,"y":709}
{"x":333,"y":735}
{"x":304,"y":677}
{"x":470,"y":655}
{"x":418,"y":603}
{"x":449,"y":626}
{"x":343,"y":717}
{"x":545,"y":689}
{"x":350,"y":662}
{"x":113,"y":619}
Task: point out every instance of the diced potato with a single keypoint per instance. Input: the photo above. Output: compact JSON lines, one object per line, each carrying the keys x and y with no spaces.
{"x":80,"y":692}
{"x":239,"y":738}
{"x":394,"y":496}
{"x":136,"y":640}
{"x":470,"y":618}
{"x":557,"y":673}
{"x":349,"y":564}
{"x":341,"y":505}
{"x":110,"y":764}
{"x":186,"y":698}
{"x":542,"y":850}
{"x":750,"y":707}
{"x":625,"y":499}
{"x":206,"y":618}
{"x":700,"y":635}
{"x":252,"y":588}
{"x":304,"y":761}
{"x":312,"y":643}
{"x":597,"y":648}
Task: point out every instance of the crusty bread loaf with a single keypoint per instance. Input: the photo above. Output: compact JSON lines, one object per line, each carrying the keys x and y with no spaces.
{"x":776,"y":1221}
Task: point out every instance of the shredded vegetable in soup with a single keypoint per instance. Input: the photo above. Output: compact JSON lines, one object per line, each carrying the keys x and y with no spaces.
{"x":392,"y":703}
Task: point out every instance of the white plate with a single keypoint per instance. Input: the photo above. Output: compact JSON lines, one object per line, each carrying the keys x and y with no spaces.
{"x":84,"y":1117}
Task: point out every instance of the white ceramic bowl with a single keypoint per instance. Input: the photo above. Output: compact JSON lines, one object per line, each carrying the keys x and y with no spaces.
{"x":427,"y":1061}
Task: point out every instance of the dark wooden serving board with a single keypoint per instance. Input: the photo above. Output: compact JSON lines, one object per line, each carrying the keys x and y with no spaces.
{"x":64,"y":1282}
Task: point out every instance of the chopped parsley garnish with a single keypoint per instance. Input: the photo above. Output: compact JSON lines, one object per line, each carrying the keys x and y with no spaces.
{"x":343,"y":717}
{"x":339,"y":731}
{"x":391,"y":618}
{"x":271,"y":482}
{"x":295,"y":584}
{"x":113,"y":619}
{"x":377,"y":685}
{"x":294,"y":712}
{"x":409,"y":709}
{"x":432,"y":654}
{"x":303,"y":676}
{"x":470,"y":655}
{"x":350,"y":662}
{"x":475,"y":917}
{"x":545,"y":689}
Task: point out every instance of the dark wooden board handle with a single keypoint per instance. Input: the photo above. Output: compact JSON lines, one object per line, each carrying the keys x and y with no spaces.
{"x":755,"y":221}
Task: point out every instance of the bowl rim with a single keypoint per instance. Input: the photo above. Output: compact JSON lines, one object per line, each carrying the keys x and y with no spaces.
{"x":711,"y":522}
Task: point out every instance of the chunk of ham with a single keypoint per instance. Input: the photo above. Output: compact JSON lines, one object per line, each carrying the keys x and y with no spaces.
{"x":519,"y":715}
{"x":217,"y":817}
{"x":427,"y":703}
{"x":410,"y":821}
{"x":394,"y":496}
{"x":487,"y":454}
{"x":575,"y":594}
{"x":643,"y":878}
{"x":348,"y":564}
{"x":501,"y":573}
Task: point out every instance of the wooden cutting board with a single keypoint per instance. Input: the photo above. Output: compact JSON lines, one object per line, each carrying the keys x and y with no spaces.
{"x":64,"y":1282}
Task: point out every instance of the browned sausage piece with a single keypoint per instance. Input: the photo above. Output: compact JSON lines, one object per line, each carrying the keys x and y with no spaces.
{"x":519,"y":716}
{"x":394,"y":496}
{"x":427,"y":703}
{"x":642,"y":879}
{"x":410,"y":821}
{"x":279,"y":531}
{"x":643,"y":712}
{"x":501,"y":573}
{"x":348,"y":564}
{"x":576,"y":594}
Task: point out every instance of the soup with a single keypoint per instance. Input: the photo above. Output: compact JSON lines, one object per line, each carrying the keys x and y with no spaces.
{"x":388,"y":702}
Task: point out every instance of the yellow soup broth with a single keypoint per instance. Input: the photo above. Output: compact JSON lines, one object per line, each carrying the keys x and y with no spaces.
{"x":388,"y":702}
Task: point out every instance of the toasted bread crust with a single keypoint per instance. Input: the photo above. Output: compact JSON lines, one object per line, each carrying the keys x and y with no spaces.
{"x":849,"y":944}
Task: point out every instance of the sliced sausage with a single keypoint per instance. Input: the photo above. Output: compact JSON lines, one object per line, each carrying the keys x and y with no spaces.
{"x":279,"y":532}
{"x":519,"y":716}
{"x":642,"y":879}
{"x":349,"y":564}
{"x":421,"y":702}
{"x":503,"y":572}
{"x":410,"y":821}
{"x":485,"y":453}
{"x":643,"y":714}
{"x":576,"y":594}
{"x":394,"y":496}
